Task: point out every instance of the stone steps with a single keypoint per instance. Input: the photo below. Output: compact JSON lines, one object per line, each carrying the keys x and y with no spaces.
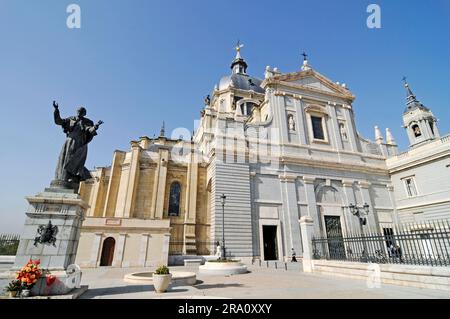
{"x":281,"y":265}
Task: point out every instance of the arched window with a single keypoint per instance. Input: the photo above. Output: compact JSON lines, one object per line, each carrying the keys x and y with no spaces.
{"x":174,"y":199}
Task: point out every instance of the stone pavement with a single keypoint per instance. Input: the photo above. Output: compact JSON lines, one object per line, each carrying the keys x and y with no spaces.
{"x":260,"y":283}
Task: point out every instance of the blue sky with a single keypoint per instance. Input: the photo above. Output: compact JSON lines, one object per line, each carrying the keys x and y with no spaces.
{"x":136,"y":63}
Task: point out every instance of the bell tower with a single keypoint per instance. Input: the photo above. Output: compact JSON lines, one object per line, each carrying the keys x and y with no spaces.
{"x":418,"y":120}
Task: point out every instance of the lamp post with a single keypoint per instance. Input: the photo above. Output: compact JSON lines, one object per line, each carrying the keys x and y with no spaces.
{"x":361,"y":212}
{"x":223,"y":199}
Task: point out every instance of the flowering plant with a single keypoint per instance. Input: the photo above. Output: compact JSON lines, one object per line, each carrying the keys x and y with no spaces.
{"x":29,"y":274}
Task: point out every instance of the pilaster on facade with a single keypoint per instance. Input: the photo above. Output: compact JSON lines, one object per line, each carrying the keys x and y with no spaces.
{"x":159,"y":185}
{"x":95,"y":250}
{"x":143,"y":249}
{"x":372,"y":218}
{"x":349,"y":198}
{"x":119,"y":251}
{"x":334,"y":137}
{"x":292,"y":237}
{"x":133,"y":180}
{"x":113,"y":185}
{"x":312,"y":202}
{"x":191,"y":190}
{"x":391,"y":193}
{"x":351,"y":131}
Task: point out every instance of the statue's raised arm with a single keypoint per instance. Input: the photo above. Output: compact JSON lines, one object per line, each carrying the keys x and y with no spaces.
{"x":56,"y":115}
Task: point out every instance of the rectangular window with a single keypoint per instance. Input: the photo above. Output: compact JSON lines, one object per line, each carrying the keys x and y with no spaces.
{"x":317,"y":128}
{"x":410,"y":187}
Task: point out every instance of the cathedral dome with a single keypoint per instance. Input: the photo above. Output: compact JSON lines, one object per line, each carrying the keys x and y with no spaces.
{"x":242,"y":82}
{"x":239,"y":79}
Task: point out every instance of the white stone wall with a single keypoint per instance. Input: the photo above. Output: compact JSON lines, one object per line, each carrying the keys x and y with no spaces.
{"x":429,"y":166}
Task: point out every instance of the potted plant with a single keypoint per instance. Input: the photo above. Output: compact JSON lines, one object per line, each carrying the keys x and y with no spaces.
{"x":28,"y":276}
{"x":14,"y":288}
{"x":161,"y":279}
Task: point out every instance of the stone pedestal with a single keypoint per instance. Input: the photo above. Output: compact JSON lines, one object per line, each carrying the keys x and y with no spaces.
{"x":58,"y":213}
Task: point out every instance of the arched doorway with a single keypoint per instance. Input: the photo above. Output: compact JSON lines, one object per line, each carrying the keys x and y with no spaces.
{"x":107,"y":252}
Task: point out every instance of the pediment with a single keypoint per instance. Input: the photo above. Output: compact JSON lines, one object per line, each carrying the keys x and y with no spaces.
{"x":312,"y":80}
{"x":314,"y":83}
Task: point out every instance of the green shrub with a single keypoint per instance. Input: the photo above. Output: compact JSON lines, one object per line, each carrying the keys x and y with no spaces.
{"x":162,"y":270}
{"x":14,"y":285}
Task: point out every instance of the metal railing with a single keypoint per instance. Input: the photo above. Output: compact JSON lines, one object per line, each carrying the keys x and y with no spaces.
{"x":426,"y":243}
{"x":9,"y":244}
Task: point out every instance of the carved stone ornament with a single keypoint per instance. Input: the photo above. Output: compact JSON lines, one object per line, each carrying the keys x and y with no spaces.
{"x":47,"y":234}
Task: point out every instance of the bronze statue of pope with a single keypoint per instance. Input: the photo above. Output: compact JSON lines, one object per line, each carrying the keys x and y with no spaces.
{"x":79,"y":132}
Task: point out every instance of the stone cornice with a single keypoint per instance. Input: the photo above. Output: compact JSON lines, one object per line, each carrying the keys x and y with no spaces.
{"x":335,"y":165}
{"x":57,"y":200}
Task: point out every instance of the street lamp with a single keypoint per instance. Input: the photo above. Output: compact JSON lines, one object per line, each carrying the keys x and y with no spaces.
{"x":223,"y":199}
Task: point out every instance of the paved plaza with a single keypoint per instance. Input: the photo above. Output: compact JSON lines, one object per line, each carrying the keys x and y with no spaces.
{"x":260,"y":283}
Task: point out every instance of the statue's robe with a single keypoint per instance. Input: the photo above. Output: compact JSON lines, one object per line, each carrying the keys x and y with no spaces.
{"x":73,"y":154}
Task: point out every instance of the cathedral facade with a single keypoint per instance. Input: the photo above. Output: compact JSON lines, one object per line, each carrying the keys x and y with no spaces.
{"x":266,"y":153}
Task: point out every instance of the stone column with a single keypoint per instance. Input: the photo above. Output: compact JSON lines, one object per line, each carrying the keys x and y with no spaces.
{"x":118,"y":254}
{"x":312,"y":204}
{"x":291,"y":215}
{"x":143,"y":249}
{"x":95,"y":251}
{"x":307,"y":231}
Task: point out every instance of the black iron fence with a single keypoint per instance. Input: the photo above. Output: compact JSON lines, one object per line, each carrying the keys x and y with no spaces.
{"x":202,"y":248}
{"x":426,"y":243}
{"x":9,"y":244}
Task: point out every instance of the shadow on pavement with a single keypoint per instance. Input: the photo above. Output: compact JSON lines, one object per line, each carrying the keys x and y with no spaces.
{"x":123,"y":290}
{"x":201,"y":286}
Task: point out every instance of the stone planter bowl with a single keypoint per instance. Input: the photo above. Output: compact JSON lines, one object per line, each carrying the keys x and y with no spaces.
{"x":161,"y":282}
